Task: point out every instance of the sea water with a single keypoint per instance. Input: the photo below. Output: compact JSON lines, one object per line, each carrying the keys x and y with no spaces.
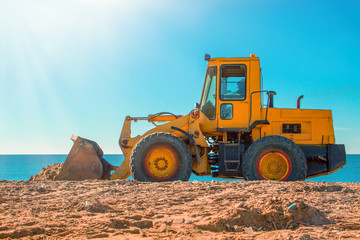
{"x":22,"y":167}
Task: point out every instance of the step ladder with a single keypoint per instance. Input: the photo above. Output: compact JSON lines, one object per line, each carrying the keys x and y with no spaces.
{"x":230,"y":157}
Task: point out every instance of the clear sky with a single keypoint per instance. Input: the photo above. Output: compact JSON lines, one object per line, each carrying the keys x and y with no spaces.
{"x":80,"y":66}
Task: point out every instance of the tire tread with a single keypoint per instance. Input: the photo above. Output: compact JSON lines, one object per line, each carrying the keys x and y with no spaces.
{"x":299,"y":155}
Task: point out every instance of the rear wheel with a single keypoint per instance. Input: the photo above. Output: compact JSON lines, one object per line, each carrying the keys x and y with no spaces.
{"x":274,"y":158}
{"x":161,"y":157}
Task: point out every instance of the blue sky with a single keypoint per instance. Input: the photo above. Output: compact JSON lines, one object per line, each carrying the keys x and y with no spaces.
{"x":79,"y":67}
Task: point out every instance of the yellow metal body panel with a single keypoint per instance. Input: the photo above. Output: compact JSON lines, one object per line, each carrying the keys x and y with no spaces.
{"x":316,"y":125}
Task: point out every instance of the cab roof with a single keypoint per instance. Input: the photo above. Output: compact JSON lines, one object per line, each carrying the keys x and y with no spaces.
{"x":235,"y":59}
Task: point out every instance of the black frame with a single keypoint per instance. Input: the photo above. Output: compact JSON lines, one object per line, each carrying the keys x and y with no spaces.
{"x":216,"y":69}
{"x":246,"y":72}
{"x":232,"y":111}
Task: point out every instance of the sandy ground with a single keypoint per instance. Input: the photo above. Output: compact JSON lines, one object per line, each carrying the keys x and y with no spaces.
{"x":46,"y":209}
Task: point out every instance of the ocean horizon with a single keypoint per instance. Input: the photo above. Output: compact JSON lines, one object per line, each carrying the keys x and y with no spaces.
{"x":21,"y":167}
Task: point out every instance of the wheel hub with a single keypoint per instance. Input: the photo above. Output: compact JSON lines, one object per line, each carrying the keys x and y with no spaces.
{"x":161,"y":163}
{"x":274,"y":165}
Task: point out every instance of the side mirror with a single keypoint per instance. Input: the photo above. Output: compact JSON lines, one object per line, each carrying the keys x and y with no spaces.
{"x":197,"y":106}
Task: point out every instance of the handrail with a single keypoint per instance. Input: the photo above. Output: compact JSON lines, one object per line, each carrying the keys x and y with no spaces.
{"x":270,"y":94}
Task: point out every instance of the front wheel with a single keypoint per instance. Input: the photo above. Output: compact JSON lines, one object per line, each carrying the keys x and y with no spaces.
{"x":274,"y":158}
{"x":161,"y":157}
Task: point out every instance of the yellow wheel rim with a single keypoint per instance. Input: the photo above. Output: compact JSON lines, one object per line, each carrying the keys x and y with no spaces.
{"x":161,"y":163}
{"x":274,"y":165}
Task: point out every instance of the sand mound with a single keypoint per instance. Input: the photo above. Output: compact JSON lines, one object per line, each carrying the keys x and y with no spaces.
{"x":273,"y":214}
{"x":47,"y":173}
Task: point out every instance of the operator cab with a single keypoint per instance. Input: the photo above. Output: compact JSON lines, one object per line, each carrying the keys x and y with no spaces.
{"x":225,"y":101}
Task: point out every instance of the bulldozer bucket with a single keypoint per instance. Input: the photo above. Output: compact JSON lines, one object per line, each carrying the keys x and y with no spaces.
{"x":85,"y":161}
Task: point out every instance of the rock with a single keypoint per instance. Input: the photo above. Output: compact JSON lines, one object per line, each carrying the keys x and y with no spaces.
{"x":95,"y":206}
{"x":144,"y":224}
{"x":286,"y":235}
{"x":162,"y":228}
{"x":248,"y":230}
{"x":178,"y":221}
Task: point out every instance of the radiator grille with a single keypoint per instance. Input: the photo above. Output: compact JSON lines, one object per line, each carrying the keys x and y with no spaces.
{"x":291,"y":128}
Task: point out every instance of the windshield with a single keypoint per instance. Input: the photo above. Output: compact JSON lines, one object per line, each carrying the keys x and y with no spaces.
{"x":208,"y":98}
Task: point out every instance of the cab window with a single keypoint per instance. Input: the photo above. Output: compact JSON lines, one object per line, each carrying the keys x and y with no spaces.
{"x":226,"y":111}
{"x":208,"y":98}
{"x":233,"y":82}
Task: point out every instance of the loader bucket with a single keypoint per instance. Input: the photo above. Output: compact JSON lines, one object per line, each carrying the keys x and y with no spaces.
{"x":85,"y":161}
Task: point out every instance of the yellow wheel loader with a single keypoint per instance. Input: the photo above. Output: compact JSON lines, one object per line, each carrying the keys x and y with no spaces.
{"x":235,"y":132}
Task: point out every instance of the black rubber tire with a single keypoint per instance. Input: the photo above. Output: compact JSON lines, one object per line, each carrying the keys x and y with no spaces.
{"x":278,"y":143}
{"x":137,"y":159}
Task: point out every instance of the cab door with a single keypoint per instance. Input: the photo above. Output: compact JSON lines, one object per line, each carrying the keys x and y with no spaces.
{"x":233,"y":99}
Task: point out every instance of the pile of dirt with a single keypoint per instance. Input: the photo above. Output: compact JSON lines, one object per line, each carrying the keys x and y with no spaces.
{"x":270,"y":214}
{"x":48,"y":173}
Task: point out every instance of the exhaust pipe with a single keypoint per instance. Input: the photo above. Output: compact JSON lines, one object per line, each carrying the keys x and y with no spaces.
{"x":298,"y":101}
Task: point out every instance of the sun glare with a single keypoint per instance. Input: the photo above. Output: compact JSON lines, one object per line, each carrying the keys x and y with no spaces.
{"x":50,"y":50}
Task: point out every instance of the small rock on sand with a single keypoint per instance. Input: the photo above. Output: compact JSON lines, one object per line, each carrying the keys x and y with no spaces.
{"x":178,"y":220}
{"x":248,"y":230}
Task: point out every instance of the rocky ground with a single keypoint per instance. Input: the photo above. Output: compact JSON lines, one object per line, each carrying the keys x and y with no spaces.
{"x":46,"y":209}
